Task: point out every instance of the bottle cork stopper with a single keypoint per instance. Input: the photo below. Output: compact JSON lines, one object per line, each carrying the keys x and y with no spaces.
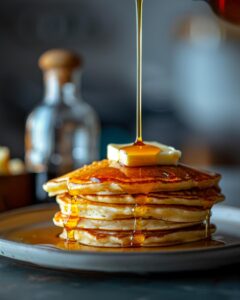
{"x":59,"y":59}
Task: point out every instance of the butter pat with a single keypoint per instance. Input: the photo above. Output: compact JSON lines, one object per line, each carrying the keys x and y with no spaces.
{"x":147,"y":154}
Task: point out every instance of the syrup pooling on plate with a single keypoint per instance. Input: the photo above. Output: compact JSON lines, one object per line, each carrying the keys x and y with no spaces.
{"x":48,"y":236}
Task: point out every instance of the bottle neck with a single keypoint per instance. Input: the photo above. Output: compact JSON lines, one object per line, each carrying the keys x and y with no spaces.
{"x":62,"y":86}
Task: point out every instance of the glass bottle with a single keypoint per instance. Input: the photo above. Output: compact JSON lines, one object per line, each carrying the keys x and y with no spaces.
{"x":62,"y":133}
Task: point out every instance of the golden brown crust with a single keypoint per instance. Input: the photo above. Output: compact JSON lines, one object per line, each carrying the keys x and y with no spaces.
{"x":107,"y":177}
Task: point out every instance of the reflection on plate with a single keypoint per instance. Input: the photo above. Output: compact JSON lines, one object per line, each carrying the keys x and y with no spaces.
{"x":28,"y":235}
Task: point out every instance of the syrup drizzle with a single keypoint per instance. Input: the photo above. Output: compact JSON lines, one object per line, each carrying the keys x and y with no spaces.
{"x":139,"y":145}
{"x":71,"y":220}
{"x":137,"y":238}
{"x":207,"y":224}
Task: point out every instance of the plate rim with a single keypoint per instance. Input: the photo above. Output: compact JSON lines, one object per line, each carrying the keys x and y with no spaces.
{"x":121,"y":262}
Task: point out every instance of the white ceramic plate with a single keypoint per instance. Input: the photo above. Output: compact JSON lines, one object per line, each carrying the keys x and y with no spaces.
{"x":27,"y":234}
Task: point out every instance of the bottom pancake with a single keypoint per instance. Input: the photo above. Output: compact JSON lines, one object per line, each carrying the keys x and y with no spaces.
{"x":115,"y":239}
{"x":118,"y":225}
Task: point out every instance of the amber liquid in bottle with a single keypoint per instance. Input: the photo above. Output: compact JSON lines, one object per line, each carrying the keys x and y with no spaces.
{"x":228,"y":10}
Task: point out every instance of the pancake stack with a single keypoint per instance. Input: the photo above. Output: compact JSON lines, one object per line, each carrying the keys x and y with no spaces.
{"x":106,"y":204}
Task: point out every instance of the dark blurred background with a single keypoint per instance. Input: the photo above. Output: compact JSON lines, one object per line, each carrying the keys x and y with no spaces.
{"x":191,"y":66}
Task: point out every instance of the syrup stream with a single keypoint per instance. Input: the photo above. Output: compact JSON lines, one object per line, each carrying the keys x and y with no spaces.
{"x":207,"y":224}
{"x":139,"y":13}
{"x":136,"y":233}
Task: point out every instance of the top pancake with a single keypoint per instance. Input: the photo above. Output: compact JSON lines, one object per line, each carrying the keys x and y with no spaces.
{"x":108,"y":177}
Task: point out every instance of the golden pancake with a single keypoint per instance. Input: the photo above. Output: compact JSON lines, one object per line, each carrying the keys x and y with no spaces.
{"x":194,"y":197}
{"x":105,"y":211}
{"x":108,"y":177}
{"x":61,"y":220}
{"x":100,"y":238}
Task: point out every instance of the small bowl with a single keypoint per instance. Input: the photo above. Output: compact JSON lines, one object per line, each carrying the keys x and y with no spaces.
{"x":16,"y":191}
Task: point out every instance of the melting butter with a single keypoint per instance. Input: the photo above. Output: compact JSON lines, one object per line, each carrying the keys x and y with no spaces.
{"x":143,"y":154}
